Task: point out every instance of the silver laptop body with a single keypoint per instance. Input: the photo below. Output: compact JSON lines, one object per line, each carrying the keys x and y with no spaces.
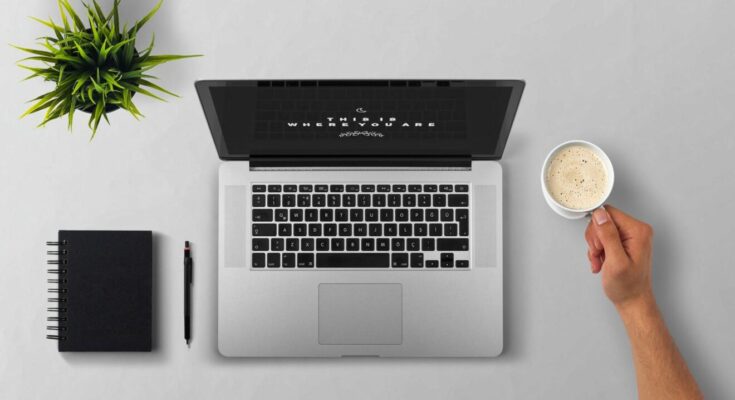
{"x":403,"y":300}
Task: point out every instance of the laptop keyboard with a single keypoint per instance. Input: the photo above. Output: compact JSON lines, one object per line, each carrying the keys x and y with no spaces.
{"x":367,"y":226}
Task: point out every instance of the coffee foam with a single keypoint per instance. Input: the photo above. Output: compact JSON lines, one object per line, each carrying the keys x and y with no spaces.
{"x":576,"y":177}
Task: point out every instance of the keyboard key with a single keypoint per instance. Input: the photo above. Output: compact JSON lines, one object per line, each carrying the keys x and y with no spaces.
{"x":311,"y":215}
{"x":338,"y":244}
{"x":274,"y":188}
{"x":417,"y":215}
{"x":390,"y":229}
{"x":367,"y":244}
{"x":447,"y":260}
{"x":399,"y":260}
{"x":274,"y":260}
{"x":289,"y":188}
{"x":382,"y":244}
{"x":326,"y":215}
{"x":461,"y":188}
{"x":452,"y":244}
{"x":399,"y":188}
{"x":429,"y":188}
{"x":334,"y":200}
{"x":348,"y":200}
{"x":345,"y":229}
{"x":300,"y":229}
{"x":461,"y":214}
{"x":322,"y":244}
{"x":405,"y":229}
{"x":462,"y":264}
{"x":371,"y":214}
{"x":420,"y":229}
{"x":315,"y":229}
{"x":363,"y":200}
{"x":336,"y":188}
{"x":435,"y":229}
{"x":274,"y":200}
{"x":360,"y":229}
{"x":353,"y":244}
{"x":440,"y":200}
{"x":417,"y":260}
{"x":432,"y":264}
{"x":258,"y":260}
{"x":284,"y":229}
{"x":281,"y":215}
{"x":307,"y":244}
{"x":459,"y":200}
{"x":413,"y":244}
{"x":303,"y":200}
{"x":330,"y":229}
{"x":262,"y":215}
{"x":394,"y":200}
{"x":446,"y":214}
{"x":464,"y":228}
{"x":292,"y":244}
{"x":258,"y":200}
{"x":409,"y":200}
{"x":356,"y":215}
{"x":446,"y":188}
{"x":305,"y":260}
{"x":318,"y":200}
{"x":414,"y":188}
{"x":305,"y":188}
{"x":258,"y":188}
{"x":401,"y":214}
{"x":277,"y":244}
{"x":321,"y":188}
{"x":378,"y":200}
{"x":341,"y":215}
{"x":427,"y":244}
{"x":296,"y":215}
{"x":397,"y":244}
{"x":432,"y":214}
{"x":386,"y":215}
{"x":424,"y":200}
{"x":375,"y":229}
{"x":264,"y":229}
{"x":260,"y":244}
{"x":352,"y":260}
{"x":352,"y":188}
{"x":288,"y":260}
{"x":450,"y":229}
{"x":368,"y":188}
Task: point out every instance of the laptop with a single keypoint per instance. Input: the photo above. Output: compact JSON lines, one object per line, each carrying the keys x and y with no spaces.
{"x":360,"y":217}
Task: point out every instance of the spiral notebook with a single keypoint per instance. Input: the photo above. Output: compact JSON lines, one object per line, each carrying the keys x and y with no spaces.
{"x":102,"y":283}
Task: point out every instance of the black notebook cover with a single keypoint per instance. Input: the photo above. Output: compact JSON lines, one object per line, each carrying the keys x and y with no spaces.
{"x":106,"y":290}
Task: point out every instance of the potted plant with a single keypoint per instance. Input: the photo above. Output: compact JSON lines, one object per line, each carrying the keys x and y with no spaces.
{"x":96,"y":68}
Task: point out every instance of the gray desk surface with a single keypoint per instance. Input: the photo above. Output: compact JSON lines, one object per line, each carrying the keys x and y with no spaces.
{"x":651,"y":82}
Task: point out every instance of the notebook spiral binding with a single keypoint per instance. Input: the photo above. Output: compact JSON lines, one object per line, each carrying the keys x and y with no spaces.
{"x":59,"y":273}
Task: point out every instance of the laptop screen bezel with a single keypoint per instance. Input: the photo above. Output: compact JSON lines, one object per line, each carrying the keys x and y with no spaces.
{"x":205,"y":97}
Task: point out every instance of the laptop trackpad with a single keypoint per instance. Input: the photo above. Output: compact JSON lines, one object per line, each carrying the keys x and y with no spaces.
{"x":357,"y":313}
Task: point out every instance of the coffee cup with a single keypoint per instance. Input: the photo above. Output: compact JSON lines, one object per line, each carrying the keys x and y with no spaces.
{"x":575,"y":189}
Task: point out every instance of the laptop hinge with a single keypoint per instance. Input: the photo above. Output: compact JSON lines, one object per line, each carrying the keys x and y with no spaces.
{"x":362,"y":162}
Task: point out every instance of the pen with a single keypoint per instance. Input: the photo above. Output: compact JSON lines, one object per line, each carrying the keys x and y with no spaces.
{"x":188,"y":266}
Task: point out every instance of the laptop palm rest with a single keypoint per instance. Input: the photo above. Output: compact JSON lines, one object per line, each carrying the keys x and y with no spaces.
{"x":360,"y":314}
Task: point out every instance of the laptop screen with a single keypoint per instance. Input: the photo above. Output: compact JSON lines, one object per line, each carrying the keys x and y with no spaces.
{"x":360,"y":118}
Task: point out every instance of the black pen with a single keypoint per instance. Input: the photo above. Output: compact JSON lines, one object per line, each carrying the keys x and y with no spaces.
{"x":188,"y":273}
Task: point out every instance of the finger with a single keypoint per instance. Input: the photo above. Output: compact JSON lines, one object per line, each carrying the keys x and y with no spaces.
{"x":591,"y":237}
{"x":623,"y":221}
{"x":608,"y":235}
{"x":595,"y":262}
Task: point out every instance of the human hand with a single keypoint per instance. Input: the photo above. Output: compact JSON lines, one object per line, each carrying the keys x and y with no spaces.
{"x":620,"y":247}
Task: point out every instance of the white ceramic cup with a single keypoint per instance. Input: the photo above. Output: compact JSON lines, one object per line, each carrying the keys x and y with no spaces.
{"x":572,"y":213}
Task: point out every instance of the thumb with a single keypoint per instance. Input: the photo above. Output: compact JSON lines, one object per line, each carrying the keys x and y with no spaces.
{"x":608,"y":235}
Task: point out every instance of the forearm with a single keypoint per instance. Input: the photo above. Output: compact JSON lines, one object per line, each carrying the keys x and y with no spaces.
{"x":661,"y":371}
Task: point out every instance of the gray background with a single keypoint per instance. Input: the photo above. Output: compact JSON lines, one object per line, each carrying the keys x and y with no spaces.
{"x":651,"y":82}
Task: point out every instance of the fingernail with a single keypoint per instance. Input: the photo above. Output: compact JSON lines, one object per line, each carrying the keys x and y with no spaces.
{"x":600,"y":216}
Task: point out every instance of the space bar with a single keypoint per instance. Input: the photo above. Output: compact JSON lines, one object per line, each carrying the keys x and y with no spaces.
{"x":352,"y":260}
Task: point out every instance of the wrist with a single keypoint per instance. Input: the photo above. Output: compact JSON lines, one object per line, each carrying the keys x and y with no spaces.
{"x":643,"y":304}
